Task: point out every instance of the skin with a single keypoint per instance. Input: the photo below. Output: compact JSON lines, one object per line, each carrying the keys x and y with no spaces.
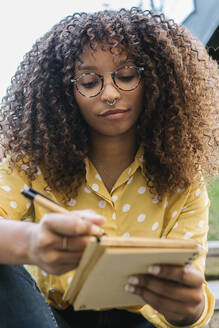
{"x":112,"y":143}
{"x":42,"y":244}
{"x":174,"y":291}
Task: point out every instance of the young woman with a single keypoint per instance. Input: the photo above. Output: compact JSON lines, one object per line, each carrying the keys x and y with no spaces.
{"x":113,"y":115}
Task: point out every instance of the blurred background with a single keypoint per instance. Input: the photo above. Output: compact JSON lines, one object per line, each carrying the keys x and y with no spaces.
{"x":23,"y":21}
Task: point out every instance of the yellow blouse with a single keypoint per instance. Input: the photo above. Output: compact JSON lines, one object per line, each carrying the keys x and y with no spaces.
{"x":130,"y":210}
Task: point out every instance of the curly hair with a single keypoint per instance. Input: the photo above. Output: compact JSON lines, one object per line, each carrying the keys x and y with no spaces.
{"x":41,"y":124}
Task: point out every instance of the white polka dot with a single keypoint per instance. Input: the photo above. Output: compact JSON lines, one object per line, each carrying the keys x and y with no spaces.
{"x":155,"y":226}
{"x":201,"y":224}
{"x":72,"y":202}
{"x":126,"y":235}
{"x":129,"y":171}
{"x":98,"y":177}
{"x":48,"y":190}
{"x":25,"y":187}
{"x":165,"y":204}
{"x":28,"y":205}
{"x":6,"y":188}
{"x":126,"y":207}
{"x":184,"y":208}
{"x":155,"y":200}
{"x":188,"y":235}
{"x":180,"y":190}
{"x":114,"y":216}
{"x":130,"y":180}
{"x":38,"y":171}
{"x":141,"y":218}
{"x":102,"y":203}
{"x":87,"y":190}
{"x":69,"y":280}
{"x":191,"y":212}
{"x":3,"y":161}
{"x":24,"y":167}
{"x":206,"y":201}
{"x":153,"y":316}
{"x":141,"y":159}
{"x":175,"y":225}
{"x":198,"y":192}
{"x":141,"y":190}
{"x":114,"y":198}
{"x":13,"y":204}
{"x":174,"y":214}
{"x":44,"y":273}
{"x":95,"y":187}
{"x":201,"y":248}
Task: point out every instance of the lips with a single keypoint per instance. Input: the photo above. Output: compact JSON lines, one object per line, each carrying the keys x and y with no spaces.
{"x":113,"y":112}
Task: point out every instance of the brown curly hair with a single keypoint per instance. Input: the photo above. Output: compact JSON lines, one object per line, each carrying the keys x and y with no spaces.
{"x":41,"y":125}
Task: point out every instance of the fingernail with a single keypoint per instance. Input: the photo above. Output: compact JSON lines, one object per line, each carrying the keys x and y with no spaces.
{"x":153,"y":269}
{"x":128,"y":288}
{"x":133,"y":280}
{"x":95,"y":230}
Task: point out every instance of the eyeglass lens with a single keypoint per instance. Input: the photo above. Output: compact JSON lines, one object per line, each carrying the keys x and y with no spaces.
{"x":90,"y":84}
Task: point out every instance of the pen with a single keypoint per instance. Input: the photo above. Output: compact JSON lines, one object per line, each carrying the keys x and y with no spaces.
{"x":43,"y":201}
{"x":47,"y":203}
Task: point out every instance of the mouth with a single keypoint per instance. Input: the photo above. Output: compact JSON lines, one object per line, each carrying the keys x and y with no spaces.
{"x":114,"y":112}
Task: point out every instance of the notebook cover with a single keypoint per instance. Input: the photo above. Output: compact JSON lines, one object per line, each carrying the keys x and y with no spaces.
{"x":105,"y":266}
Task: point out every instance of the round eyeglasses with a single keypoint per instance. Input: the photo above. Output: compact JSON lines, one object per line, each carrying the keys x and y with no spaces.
{"x":91,"y":84}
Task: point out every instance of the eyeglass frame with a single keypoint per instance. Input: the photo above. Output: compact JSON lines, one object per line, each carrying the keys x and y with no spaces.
{"x":101,"y":76}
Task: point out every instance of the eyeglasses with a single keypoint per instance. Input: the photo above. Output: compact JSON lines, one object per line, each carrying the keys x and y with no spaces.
{"x":91,"y":84}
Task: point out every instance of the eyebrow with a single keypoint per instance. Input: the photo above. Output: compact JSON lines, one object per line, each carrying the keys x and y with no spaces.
{"x":82,"y":67}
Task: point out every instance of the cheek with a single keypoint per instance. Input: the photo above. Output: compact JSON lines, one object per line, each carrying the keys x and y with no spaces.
{"x":85,"y":107}
{"x":138,"y":101}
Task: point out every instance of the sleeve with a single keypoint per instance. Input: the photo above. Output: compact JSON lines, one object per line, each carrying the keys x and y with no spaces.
{"x":191,"y":223}
{"x":13,"y":205}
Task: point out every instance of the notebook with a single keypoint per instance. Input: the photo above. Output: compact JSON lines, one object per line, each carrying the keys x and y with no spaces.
{"x":107,"y":262}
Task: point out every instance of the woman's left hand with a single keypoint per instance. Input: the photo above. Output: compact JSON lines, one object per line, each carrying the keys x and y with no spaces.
{"x":174,"y":291}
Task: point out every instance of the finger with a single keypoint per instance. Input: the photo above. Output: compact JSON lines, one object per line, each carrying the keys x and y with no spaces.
{"x":74,"y":244}
{"x":187,"y":275}
{"x":70,"y":225}
{"x":166,"y":288}
{"x":174,"y":318}
{"x":54,"y":260}
{"x":59,"y":270}
{"x":158,"y":302}
{"x":91,"y":216}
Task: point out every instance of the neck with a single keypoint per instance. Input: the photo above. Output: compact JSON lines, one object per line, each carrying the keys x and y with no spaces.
{"x":113,"y":152}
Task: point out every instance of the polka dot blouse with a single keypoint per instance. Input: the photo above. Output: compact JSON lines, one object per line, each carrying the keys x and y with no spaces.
{"x":130,"y":210}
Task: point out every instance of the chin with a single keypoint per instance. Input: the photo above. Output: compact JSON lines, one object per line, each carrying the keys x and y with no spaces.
{"x":115,"y":132}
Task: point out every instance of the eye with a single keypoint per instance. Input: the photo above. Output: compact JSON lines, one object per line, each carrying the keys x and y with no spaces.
{"x":89,"y":85}
{"x":89,"y":81}
{"x":126,"y":74}
{"x":125,"y":78}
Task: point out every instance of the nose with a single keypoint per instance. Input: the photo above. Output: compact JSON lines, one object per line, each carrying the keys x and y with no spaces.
{"x":110,"y":92}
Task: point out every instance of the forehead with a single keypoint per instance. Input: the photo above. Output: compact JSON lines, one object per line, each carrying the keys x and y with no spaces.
{"x":102,"y":55}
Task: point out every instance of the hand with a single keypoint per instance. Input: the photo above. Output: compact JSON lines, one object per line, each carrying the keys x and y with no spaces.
{"x":46,"y":239}
{"x":174,"y":291}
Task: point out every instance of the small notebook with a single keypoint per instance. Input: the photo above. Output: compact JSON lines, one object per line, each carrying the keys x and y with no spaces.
{"x":107,"y":263}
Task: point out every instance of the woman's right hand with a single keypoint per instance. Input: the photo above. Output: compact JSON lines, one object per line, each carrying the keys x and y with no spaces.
{"x":56,"y":243}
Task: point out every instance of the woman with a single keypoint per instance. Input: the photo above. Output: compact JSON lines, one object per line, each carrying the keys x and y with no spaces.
{"x":111,"y":114}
